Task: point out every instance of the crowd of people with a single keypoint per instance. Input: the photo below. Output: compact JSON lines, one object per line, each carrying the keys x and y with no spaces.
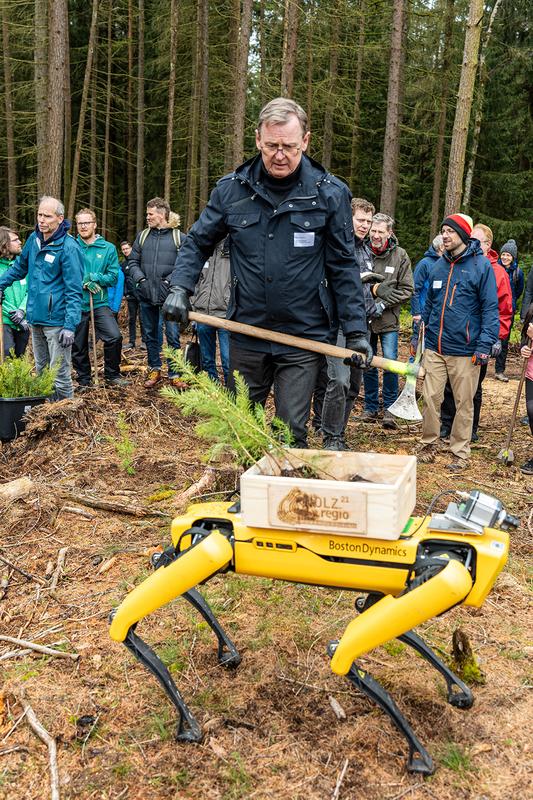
{"x":280,"y":245}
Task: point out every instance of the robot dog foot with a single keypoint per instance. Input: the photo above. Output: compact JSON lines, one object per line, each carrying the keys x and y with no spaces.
{"x":419,"y":761}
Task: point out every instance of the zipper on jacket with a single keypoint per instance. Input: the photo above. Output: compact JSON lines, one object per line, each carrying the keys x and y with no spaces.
{"x":444,"y":305}
{"x":468,"y":332}
{"x":453,"y":294}
{"x":50,"y":304}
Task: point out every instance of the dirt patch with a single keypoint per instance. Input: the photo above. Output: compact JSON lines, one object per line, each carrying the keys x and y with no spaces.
{"x":270,"y":728}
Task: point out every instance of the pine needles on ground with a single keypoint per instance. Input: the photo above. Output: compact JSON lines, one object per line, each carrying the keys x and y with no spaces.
{"x":231,"y":422}
{"x":17,"y":378}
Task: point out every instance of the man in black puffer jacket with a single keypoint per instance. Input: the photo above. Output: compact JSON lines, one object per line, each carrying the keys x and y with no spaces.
{"x":150,"y":263}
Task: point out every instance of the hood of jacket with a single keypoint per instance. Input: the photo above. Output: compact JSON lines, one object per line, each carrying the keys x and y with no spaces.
{"x":431,"y":253}
{"x":61,"y":231}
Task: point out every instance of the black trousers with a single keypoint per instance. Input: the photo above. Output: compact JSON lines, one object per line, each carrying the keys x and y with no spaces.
{"x":16,"y":340}
{"x":529,"y":402}
{"x":447,"y":409}
{"x":134,"y":311}
{"x":292,"y":375}
{"x":108,"y":331}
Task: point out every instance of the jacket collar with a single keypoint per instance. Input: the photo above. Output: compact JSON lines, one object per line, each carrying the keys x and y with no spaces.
{"x":473,"y":248}
{"x":311,"y":176}
{"x":57,"y":236}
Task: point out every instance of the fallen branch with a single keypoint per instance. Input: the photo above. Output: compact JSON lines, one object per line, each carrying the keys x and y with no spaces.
{"x":79,"y":511}
{"x":23,"y":572}
{"x":13,"y":490}
{"x":59,"y":567}
{"x":39,"y":648}
{"x":206,"y":481}
{"x":114,"y":508}
{"x":49,"y":741}
{"x":336,"y":792}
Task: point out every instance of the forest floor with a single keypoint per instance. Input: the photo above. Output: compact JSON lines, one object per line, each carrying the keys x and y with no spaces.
{"x":270,"y":731}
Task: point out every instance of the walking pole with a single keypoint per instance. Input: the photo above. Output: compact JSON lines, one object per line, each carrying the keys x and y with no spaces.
{"x":1,"y":336}
{"x":93,"y":334}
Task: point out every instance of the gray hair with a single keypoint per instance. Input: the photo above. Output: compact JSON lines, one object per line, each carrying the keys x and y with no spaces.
{"x":279,"y":110}
{"x":60,"y":208}
{"x":438,"y":242}
{"x":380,"y":217}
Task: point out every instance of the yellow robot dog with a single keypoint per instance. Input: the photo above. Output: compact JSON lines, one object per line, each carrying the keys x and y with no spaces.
{"x":436,"y":564}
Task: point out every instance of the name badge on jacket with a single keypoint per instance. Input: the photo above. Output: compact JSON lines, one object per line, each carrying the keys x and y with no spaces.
{"x":304,"y":239}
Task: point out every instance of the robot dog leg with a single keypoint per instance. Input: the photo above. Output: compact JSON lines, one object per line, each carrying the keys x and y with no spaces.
{"x":211,"y":553}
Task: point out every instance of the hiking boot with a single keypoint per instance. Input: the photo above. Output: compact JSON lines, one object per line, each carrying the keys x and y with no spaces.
{"x":501,"y":376}
{"x":458,"y":464}
{"x":475,"y":437}
{"x":154,"y":377}
{"x":334,"y":443}
{"x":527,"y":468}
{"x":389,"y":421}
{"x":143,"y":346}
{"x":368,"y":416}
{"x":426,"y":453}
{"x":177,"y":383}
{"x":129,"y":346}
{"x":119,"y":382}
{"x":444,"y":433}
{"x":83,"y":387}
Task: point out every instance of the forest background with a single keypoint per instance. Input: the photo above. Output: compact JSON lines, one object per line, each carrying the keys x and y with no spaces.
{"x":112,"y":102}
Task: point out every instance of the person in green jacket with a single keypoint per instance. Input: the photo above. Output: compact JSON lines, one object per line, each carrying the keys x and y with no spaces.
{"x":15,"y":325}
{"x":101,"y":270}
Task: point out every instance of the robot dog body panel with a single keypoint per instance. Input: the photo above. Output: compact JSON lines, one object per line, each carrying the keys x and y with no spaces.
{"x":409,"y":580}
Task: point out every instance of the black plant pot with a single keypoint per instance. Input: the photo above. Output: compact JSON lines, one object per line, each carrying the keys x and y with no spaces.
{"x":12,"y":409}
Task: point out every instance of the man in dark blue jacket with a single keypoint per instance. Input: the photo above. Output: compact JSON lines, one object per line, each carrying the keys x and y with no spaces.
{"x":462,"y":324}
{"x":53,"y":262}
{"x":292,"y":262}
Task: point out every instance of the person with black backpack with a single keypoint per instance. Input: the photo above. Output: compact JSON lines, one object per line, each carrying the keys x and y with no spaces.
{"x":150,"y":264}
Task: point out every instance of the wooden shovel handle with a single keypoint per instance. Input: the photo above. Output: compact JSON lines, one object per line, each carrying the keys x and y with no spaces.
{"x":400,"y":367}
{"x":517,"y":401}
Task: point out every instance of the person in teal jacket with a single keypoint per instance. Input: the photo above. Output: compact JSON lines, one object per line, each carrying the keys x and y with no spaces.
{"x":101,"y":270}
{"x":52,"y":260}
{"x":15,"y":325}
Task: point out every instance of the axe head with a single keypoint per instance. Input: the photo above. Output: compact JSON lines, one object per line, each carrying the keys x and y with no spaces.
{"x":406,"y":406}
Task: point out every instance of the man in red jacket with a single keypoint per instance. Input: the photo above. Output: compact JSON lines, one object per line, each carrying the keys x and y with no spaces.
{"x":505,"y":312}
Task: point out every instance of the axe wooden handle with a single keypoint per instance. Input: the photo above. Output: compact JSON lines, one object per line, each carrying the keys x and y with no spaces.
{"x":400,"y":367}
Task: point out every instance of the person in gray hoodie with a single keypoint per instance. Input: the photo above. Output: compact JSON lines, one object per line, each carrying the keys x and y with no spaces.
{"x":211,"y":296}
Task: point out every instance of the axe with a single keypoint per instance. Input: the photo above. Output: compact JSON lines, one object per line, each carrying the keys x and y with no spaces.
{"x":405,"y":405}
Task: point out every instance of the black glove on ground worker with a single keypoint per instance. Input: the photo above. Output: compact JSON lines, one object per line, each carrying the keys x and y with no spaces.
{"x":66,"y":337}
{"x":177,"y":306}
{"x":389,"y":293}
{"x":359,"y":343}
{"x":496,"y":349}
{"x":16,"y":316}
{"x":371,"y":277}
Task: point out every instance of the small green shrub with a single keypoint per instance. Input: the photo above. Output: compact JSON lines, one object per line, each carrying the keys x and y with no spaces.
{"x":123,"y":445}
{"x":17,"y":378}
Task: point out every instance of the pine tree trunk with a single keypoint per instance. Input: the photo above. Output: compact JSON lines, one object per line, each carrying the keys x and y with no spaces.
{"x":204,"y":104}
{"x":93,"y":146}
{"x":55,"y":137}
{"x":105,"y":187}
{"x":327,"y":145}
{"x":67,"y":155}
{"x":241,"y":80}
{"x":391,"y":147}
{"x":357,"y":96}
{"x":139,"y":175}
{"x":40,"y":61}
{"x":309,"y":44}
{"x":171,"y":94}
{"x":262,"y":55}
{"x":83,"y":111}
{"x":456,"y":164}
{"x":441,"y":132}
{"x":290,"y":38}
{"x":478,"y":117}
{"x":194,"y":122}
{"x":10,"y":130}
{"x":233,"y":41}
{"x":130,"y":169}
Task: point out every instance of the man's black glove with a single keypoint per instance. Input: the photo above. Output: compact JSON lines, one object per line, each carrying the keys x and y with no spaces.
{"x":177,"y":305}
{"x":389,"y":293}
{"x":16,"y":316}
{"x":371,"y":277}
{"x":496,"y":349}
{"x":359,"y":343}
{"x":24,"y":325}
{"x":66,"y":337}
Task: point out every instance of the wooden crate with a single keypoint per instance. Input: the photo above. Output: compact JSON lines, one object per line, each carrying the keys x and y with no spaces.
{"x":378,"y":509}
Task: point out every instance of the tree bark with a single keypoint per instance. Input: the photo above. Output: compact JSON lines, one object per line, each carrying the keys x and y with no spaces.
{"x":233,"y":41}
{"x":204,"y":104}
{"x":444,"y":80}
{"x":139,"y":179}
{"x":241,"y":80}
{"x":93,"y":145}
{"x":55,"y":137}
{"x":194,"y":122}
{"x":83,"y":110}
{"x":67,"y":154}
{"x":327,"y":145}
{"x":40,"y":61}
{"x":130,"y":169}
{"x":391,"y":147}
{"x":456,"y":164}
{"x":357,"y":96}
{"x":310,"y":22}
{"x":10,"y":130}
{"x":171,"y":94}
{"x":105,"y":187}
{"x":262,"y":55}
{"x":290,"y":38}
{"x":478,"y":117}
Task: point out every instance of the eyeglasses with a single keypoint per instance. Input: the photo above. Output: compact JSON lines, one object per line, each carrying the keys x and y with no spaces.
{"x":85,"y":224}
{"x":288,"y":149}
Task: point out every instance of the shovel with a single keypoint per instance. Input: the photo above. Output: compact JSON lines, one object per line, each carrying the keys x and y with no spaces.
{"x":399,"y":367}
{"x":93,"y":335}
{"x":506,"y":455}
{"x":406,"y":406}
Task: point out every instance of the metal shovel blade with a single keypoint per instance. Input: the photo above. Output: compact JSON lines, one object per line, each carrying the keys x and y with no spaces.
{"x":406,"y":406}
{"x":506,"y":457}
